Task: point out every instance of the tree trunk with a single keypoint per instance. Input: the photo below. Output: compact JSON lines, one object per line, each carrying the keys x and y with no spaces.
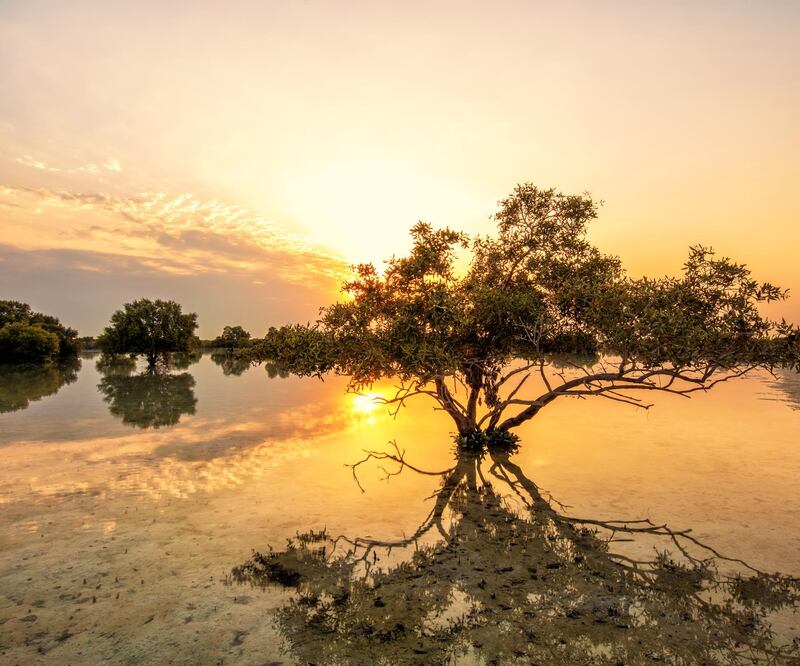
{"x":463,"y":423}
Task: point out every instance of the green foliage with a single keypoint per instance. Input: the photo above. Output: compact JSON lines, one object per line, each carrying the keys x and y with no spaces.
{"x":67,"y":337}
{"x":21,"y":343}
{"x":12,"y":312}
{"x":232,"y":337}
{"x":306,"y":350}
{"x":502,"y":441}
{"x":15,"y":312}
{"x":153,"y":329}
{"x":711,"y":313}
{"x":536,"y":290}
{"x":476,"y":442}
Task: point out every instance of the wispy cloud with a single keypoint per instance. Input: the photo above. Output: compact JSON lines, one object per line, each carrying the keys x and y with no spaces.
{"x":111,"y":164}
{"x":87,"y":252}
{"x":180,"y":233}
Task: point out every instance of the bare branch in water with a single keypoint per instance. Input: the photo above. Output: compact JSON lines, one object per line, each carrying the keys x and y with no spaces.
{"x":397,"y":457}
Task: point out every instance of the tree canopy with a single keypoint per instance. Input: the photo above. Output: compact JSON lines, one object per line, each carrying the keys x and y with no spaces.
{"x":153,"y":329}
{"x":477,"y":340}
{"x":21,"y":343}
{"x":33,"y":337}
{"x":231,"y":338}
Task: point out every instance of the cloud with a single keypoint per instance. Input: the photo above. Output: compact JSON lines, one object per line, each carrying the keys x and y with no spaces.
{"x":275,"y":420}
{"x":83,"y":288}
{"x":26,"y":160}
{"x":181,"y":234}
{"x":81,"y":255}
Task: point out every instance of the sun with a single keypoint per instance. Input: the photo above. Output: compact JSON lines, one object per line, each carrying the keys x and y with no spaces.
{"x":366,"y":403}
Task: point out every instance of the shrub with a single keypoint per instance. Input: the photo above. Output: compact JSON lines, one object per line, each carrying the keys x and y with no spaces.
{"x":22,"y":343}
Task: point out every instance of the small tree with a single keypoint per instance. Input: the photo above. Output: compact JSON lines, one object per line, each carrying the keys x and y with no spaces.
{"x":232,"y":337}
{"x":153,"y":329}
{"x":21,"y":343}
{"x":477,"y":343}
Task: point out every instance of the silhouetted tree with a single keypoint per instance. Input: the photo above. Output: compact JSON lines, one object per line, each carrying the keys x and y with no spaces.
{"x":479,"y":342}
{"x":153,"y":329}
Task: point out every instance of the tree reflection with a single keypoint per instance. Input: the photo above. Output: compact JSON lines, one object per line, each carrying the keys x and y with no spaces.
{"x":150,"y":399}
{"x":183,"y":360}
{"x":789,"y":385}
{"x":22,"y":384}
{"x":510,"y":578}
{"x":275,"y":369}
{"x":230,"y":363}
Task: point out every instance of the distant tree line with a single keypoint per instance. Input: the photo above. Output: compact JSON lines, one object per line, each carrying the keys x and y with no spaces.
{"x":231,"y":339}
{"x":158,"y":329}
{"x":153,"y":329}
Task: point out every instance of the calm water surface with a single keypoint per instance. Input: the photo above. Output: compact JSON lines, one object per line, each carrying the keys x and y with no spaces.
{"x":127,"y":499}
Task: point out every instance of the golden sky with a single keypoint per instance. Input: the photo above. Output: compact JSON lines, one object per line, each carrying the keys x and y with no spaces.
{"x":235,"y":156}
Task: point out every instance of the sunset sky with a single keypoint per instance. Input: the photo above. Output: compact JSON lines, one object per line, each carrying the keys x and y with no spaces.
{"x":238,"y":156}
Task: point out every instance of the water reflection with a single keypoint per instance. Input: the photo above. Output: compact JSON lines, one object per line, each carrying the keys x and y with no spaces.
{"x":276,"y":370}
{"x":22,"y":384}
{"x":498,"y":574}
{"x":789,"y":385}
{"x":152,"y":398}
{"x":183,"y":360}
{"x":231,"y":364}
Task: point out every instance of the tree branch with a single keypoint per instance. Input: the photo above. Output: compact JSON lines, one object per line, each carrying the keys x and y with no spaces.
{"x":610,"y":384}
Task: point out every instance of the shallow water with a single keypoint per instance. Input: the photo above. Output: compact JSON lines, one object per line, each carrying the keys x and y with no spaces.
{"x":126,"y":502}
